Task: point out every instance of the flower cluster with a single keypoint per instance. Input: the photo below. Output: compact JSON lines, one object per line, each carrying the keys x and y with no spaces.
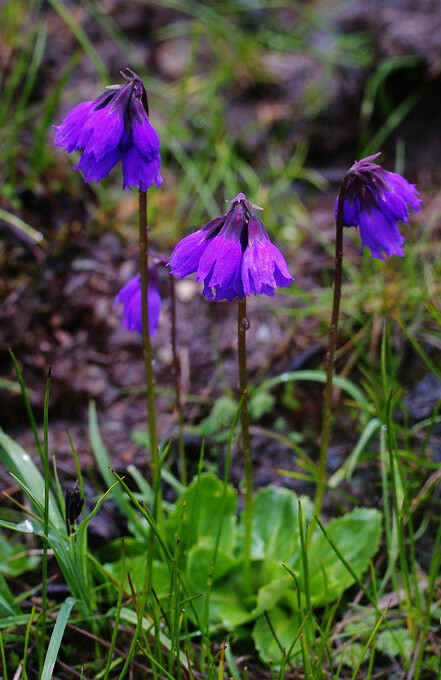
{"x":130,"y":298}
{"x":232,"y":255}
{"x":374,"y":201}
{"x":114,"y":127}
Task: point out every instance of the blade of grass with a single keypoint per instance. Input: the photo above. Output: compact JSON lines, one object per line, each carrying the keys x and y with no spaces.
{"x":433,"y":368}
{"x":105,"y":466}
{"x":56,"y":637}
{"x":397,"y":485}
{"x":27,"y":403}
{"x":31,"y":233}
{"x":3,"y":658}
{"x":81,"y":37}
{"x":26,"y":640}
{"x":368,"y":644}
{"x":46,"y":476}
{"x":316,"y":376}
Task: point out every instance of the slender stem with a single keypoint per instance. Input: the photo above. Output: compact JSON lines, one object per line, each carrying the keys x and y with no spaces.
{"x":177,"y":381}
{"x":330,"y":357}
{"x":242,"y":327}
{"x":148,"y":355}
{"x":46,"y":474}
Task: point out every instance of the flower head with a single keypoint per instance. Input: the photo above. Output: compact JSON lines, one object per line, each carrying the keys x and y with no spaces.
{"x":232,"y":255}
{"x":114,"y":127}
{"x":130,"y":298}
{"x":375,"y":200}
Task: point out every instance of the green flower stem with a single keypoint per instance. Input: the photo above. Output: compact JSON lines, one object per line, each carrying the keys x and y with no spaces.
{"x":148,"y":355}
{"x":177,"y":381}
{"x":242,"y":327}
{"x":330,"y":357}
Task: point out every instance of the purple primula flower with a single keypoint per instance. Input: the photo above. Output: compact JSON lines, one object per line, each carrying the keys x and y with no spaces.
{"x":232,"y":255}
{"x":115,"y":126}
{"x":130,"y":298}
{"x":375,"y":200}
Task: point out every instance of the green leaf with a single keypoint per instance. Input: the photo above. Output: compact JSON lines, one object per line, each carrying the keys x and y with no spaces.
{"x":56,"y":637}
{"x":7,"y":606}
{"x":350,"y":654}
{"x":200,"y":566}
{"x":19,"y":463}
{"x":225,"y":598}
{"x":231,"y":605}
{"x":275,"y":524}
{"x":260,"y":403}
{"x":14,"y":559}
{"x":220,"y":418}
{"x":356,"y":535}
{"x":285,"y":621}
{"x":396,"y":643}
{"x":203,"y":510}
{"x":228,"y":603}
{"x":135,"y":566}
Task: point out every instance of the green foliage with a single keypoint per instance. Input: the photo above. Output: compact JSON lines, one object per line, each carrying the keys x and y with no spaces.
{"x":70,"y":551}
{"x":14,"y":558}
{"x":56,"y":637}
{"x":211,"y":559}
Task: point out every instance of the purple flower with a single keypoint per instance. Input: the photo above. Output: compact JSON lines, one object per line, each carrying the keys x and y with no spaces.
{"x":232,"y":255}
{"x":374,"y":201}
{"x":130,"y":298}
{"x":114,"y":127}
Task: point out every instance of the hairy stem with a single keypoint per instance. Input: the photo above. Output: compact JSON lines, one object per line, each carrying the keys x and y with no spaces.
{"x":242,"y":327}
{"x":330,"y":357}
{"x":148,"y":355}
{"x":177,"y":381}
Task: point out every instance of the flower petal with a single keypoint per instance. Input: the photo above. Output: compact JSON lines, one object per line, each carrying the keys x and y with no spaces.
{"x":69,"y":131}
{"x":185,"y":257}
{"x":220,"y":261}
{"x":263,"y":267}
{"x":380,"y":235}
{"x":130,"y":298}
{"x":407,"y":191}
{"x":94,"y":170}
{"x":102,"y":132}
{"x":220,"y":267}
{"x":140,"y":172}
{"x":145,"y":136}
{"x":375,"y":200}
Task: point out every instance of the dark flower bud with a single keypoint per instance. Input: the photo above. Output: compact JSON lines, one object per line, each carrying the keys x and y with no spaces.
{"x":73,"y":506}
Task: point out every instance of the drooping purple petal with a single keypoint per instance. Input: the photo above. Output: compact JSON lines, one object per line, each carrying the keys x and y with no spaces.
{"x":263,"y":267}
{"x":185,"y":257}
{"x":102,"y":132}
{"x":405,"y":189}
{"x":375,"y":201}
{"x":130,"y":298}
{"x":380,"y":235}
{"x":220,"y":261}
{"x":94,"y":170}
{"x":145,"y":138}
{"x":69,"y":131}
{"x":139,"y":172}
{"x":232,"y":255}
{"x":115,"y":126}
